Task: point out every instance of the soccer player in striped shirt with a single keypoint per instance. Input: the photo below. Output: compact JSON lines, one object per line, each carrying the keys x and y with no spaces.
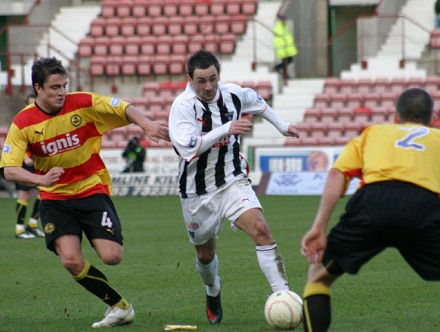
{"x":63,"y":133}
{"x":205,"y":126}
{"x":397,"y":205}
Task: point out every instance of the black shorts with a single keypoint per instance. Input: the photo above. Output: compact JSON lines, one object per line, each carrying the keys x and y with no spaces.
{"x":95,"y":216}
{"x":387,"y":214}
{"x":22,"y":187}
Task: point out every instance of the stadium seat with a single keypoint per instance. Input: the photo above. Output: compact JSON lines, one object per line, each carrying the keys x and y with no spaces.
{"x":321,"y":100}
{"x":186,"y":7}
{"x":163,"y":44}
{"x":144,"y":65}
{"x":371,"y":100}
{"x":379,"y":115}
{"x":331,"y":85}
{"x":354,"y":99}
{"x":112,"y":26}
{"x":144,"y":26}
{"x":179,"y":44}
{"x":326,"y":141}
{"x":108,"y":8}
{"x":113,"y":65}
{"x":170,"y":8}
{"x":116,"y":46}
{"x":177,"y":64}
{"x":222,"y":24}
{"x":132,"y":45}
{"x":397,"y":84}
{"x":218,"y":7}
{"x":432,"y":83}
{"x":328,"y":115}
{"x":335,"y":129}
{"x":154,"y":8}
{"x":148,"y":45}
{"x":129,"y":65}
{"x":312,"y":115}
{"x":160,"y":65}
{"x":434,"y":39}
{"x":342,"y":140}
{"x":167,"y":89}
{"x":388,"y":99}
{"x":304,"y":129}
{"x":85,"y":46}
{"x":233,"y":7}
{"x":318,"y":129}
{"x":337,"y":100}
{"x":195,"y":44}
{"x":123,"y":9}
{"x":97,"y":65}
{"x":227,"y":43}
{"x":201,"y":8}
{"x":156,"y":105}
{"x":191,"y":25}
{"x":159,"y":25}
{"x":151,"y":89}
{"x":206,"y":24}
{"x":175,"y":25}
{"x":362,"y":114}
{"x":344,"y":115}
{"x":380,"y":85}
{"x":238,"y":24}
{"x":365,"y":85}
{"x":210,"y":43}
{"x":249,"y":7}
{"x":101,"y":46}
{"x":139,"y":8}
{"x":128,"y":26}
{"x":97,"y":27}
{"x":347,"y":85}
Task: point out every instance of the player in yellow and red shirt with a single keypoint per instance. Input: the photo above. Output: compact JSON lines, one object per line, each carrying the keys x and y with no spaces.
{"x":397,"y":204}
{"x":63,"y":133}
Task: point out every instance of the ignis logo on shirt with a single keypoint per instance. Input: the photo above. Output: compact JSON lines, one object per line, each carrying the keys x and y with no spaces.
{"x":114,"y":101}
{"x":61,"y":145}
{"x":7,"y":148}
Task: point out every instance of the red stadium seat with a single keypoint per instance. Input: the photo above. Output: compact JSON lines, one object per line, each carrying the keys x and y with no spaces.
{"x":170,"y":8}
{"x":397,"y":84}
{"x":328,"y":115}
{"x":123,"y":8}
{"x":101,"y":45}
{"x":347,"y":85}
{"x":144,"y":65}
{"x":337,"y":99}
{"x":218,"y":7}
{"x":238,"y":24}
{"x":112,"y":26}
{"x":163,"y":44}
{"x":365,"y":85}
{"x":331,"y":85}
{"x":151,"y":89}
{"x":144,"y":26}
{"x":249,"y":7}
{"x":159,"y":25}
{"x":175,"y":25}
{"x":210,"y":43}
{"x":132,"y":45}
{"x":148,"y":45}
{"x":233,"y":7}
{"x":113,"y":65}
{"x":321,"y":100}
{"x":177,"y":64}
{"x":201,"y":8}
{"x":116,"y":45}
{"x":371,"y":100}
{"x":381,"y":84}
{"x":227,"y":43}
{"x":128,"y":26}
{"x":206,"y":25}
{"x":195,"y":44}
{"x":129,"y":65}
{"x":160,"y":65}
{"x":186,"y":7}
{"x":179,"y":44}
{"x":97,"y":65}
{"x":335,"y":129}
{"x":222,"y":24}
{"x":85,"y":46}
{"x":108,"y":8}
{"x":191,"y":26}
{"x":97,"y":27}
{"x":154,"y":8}
{"x":344,"y":115}
{"x":312,"y":115}
{"x":139,"y":8}
{"x":432,"y":83}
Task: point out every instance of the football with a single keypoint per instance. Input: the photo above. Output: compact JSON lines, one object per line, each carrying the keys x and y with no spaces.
{"x":283,"y":310}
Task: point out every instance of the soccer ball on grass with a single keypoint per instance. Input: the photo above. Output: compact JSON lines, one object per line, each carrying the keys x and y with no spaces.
{"x":283,"y":310}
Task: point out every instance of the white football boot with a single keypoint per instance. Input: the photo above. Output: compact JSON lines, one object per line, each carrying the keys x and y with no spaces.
{"x":116,"y":316}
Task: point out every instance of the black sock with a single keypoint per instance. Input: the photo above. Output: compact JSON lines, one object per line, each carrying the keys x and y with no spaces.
{"x":36,"y":210}
{"x":317,"y":313}
{"x":20,"y":210}
{"x":96,"y":283}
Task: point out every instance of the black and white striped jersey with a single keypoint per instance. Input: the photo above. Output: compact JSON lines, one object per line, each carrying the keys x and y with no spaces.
{"x":194,"y":123}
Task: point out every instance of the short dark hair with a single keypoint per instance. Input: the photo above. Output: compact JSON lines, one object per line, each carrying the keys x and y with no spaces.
{"x":43,"y":68}
{"x":202,"y":60}
{"x":415,"y":105}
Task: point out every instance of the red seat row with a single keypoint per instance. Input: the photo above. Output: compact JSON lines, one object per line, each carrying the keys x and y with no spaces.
{"x":189,"y":25}
{"x":153,"y":45}
{"x":156,"y":8}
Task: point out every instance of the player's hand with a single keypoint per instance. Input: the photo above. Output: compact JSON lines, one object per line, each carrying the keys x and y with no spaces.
{"x":157,"y":130}
{"x":292,"y":131}
{"x":51,"y":177}
{"x":313,"y":245}
{"x":239,"y":127}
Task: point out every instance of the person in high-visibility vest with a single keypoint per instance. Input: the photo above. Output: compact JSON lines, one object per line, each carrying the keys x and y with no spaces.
{"x":285,"y":48}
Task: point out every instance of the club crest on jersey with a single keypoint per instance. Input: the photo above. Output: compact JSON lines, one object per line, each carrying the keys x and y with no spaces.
{"x":114,"y":101}
{"x":230,"y":116}
{"x":192,"y":142}
{"x":259,"y":97}
{"x":76,"y":120}
{"x":7,"y":148}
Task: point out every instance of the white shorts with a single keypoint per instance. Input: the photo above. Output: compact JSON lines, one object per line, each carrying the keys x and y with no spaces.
{"x":204,"y":215}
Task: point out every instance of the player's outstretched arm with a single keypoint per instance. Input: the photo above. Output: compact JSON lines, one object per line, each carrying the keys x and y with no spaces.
{"x":155,"y":130}
{"x":21,"y":175}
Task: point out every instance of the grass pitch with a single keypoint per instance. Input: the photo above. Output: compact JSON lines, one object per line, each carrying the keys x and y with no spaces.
{"x":158,"y":276}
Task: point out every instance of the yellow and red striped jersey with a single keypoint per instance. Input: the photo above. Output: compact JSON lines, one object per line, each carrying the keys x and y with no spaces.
{"x":394,"y":152}
{"x":70,"y":139}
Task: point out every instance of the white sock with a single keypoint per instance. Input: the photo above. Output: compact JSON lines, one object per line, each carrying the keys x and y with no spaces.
{"x":19,"y":228}
{"x":33,"y":221}
{"x":272,"y":266}
{"x":209,"y":274}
